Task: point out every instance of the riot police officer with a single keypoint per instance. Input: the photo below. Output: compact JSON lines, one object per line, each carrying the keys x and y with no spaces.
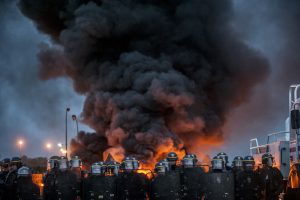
{"x":4,"y":171}
{"x":26,"y":189}
{"x":190,"y":178}
{"x":65,"y":182}
{"x":11,"y":178}
{"x":172,"y":160}
{"x":218,"y":184}
{"x":166,"y":184}
{"x":225,"y":159}
{"x":237,"y":164}
{"x":271,"y":179}
{"x":247,"y":181}
{"x":76,"y":169}
{"x":131,"y":185}
{"x":99,"y":186}
{"x":50,"y":177}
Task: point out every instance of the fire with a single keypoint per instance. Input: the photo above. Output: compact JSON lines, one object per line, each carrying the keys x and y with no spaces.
{"x":147,"y":172}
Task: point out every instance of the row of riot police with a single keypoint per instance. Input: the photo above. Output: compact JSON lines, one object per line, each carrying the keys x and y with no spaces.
{"x":107,"y":180}
{"x":16,"y":181}
{"x":171,"y":180}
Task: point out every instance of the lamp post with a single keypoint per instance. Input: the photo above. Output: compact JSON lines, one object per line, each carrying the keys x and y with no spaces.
{"x":76,"y":121}
{"x":67,"y":110}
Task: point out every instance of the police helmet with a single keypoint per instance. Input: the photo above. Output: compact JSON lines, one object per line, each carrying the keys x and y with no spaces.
{"x":52,"y":162}
{"x":172,"y":157}
{"x":188,"y":161}
{"x":237,"y":162}
{"x":97,"y":168}
{"x":113,"y":167}
{"x":267,"y":159}
{"x":217,"y":163}
{"x":16,"y":161}
{"x":136,"y":163}
{"x":24,"y":172}
{"x":5,"y":162}
{"x":223,"y":156}
{"x":75,"y":162}
{"x":160,"y":168}
{"x":128,"y":163}
{"x":195,"y":158}
{"x":63,"y":163}
{"x":249,"y":162}
{"x":165,"y":163}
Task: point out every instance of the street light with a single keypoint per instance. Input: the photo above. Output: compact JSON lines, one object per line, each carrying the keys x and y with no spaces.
{"x":76,"y":121}
{"x":67,"y":110}
{"x":20,"y":144}
{"x":48,"y":147}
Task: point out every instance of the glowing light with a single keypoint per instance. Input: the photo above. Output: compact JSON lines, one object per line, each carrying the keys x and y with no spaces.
{"x":20,"y":142}
{"x":59,"y":145}
{"x":48,"y":145}
{"x":63,"y":151}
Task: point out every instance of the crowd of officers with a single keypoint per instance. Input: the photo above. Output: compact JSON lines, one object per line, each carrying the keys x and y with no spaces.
{"x":171,"y":180}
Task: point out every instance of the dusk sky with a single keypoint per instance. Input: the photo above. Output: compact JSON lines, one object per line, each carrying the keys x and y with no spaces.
{"x":34,"y":110}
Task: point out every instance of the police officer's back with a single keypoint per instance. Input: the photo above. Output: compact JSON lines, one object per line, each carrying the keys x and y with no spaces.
{"x":66,"y":182}
{"x":165,"y":184}
{"x":131,"y":185}
{"x":3,"y":174}
{"x":271,"y":179}
{"x":247,"y":181}
{"x":50,"y":177}
{"x":99,"y":186}
{"x":26,"y":189}
{"x":190,"y":178}
{"x":11,"y":178}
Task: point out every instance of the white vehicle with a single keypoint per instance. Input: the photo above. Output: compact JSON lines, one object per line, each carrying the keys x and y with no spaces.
{"x":282,"y":145}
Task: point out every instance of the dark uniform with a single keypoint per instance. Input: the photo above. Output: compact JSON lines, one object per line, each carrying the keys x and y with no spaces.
{"x":100,"y":187}
{"x":271,"y":181}
{"x":11,"y":185}
{"x":65,"y":185}
{"x":247,"y":185}
{"x":190,"y":178}
{"x":166,"y":186}
{"x":49,"y":179}
{"x":3,"y":174}
{"x":26,"y":189}
{"x":49,"y":185}
{"x":132,"y":186}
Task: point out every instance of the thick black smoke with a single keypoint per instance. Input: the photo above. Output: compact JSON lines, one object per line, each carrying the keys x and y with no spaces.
{"x":158,"y":75}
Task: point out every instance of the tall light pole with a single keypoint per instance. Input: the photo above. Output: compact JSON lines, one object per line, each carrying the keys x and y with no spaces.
{"x":67,"y":110}
{"x":20,"y":144}
{"x":48,"y":148}
{"x":76,"y":121}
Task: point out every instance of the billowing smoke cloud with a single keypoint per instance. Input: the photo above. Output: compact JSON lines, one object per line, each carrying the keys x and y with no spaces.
{"x":158,"y":75}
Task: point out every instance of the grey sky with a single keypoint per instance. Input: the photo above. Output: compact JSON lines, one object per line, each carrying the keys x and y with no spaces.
{"x":31,"y":108}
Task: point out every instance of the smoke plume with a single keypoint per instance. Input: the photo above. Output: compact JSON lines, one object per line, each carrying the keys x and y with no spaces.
{"x":158,"y":75}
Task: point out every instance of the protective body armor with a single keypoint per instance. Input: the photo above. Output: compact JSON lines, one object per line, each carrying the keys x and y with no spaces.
{"x":191,"y":183}
{"x":11,"y":185}
{"x":218,"y":186}
{"x":65,"y":185}
{"x":131,"y":185}
{"x":247,"y":185}
{"x":166,"y":186}
{"x":49,"y":185}
{"x":26,"y":189}
{"x":3,"y":175}
{"x":271,"y":181}
{"x":100,"y":187}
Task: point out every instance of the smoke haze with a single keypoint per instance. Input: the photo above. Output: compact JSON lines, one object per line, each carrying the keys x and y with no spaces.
{"x":158,"y":76}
